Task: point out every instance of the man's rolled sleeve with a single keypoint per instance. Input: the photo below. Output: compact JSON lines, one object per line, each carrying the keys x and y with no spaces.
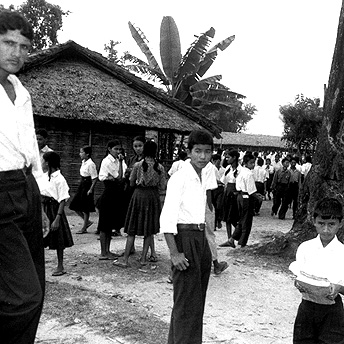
{"x":170,"y":211}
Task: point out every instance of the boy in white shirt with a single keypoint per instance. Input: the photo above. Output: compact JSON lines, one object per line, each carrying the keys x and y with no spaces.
{"x":320,"y":279}
{"x":182,"y":221}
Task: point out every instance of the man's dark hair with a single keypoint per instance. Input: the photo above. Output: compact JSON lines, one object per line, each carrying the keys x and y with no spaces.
{"x":200,"y":137}
{"x":328,"y":208}
{"x":308,"y":158}
{"x":12,"y":20}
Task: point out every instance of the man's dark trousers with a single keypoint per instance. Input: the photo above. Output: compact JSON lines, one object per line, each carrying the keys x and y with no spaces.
{"x":189,"y":288}
{"x":22,"y":274}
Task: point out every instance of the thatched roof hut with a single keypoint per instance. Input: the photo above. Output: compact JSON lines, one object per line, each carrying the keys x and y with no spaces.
{"x":81,"y":98}
{"x":249,"y":142}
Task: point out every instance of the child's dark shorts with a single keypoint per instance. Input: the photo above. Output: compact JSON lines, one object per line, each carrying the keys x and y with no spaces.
{"x":315,"y":323}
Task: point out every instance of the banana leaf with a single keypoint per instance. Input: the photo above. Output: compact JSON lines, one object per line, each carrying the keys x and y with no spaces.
{"x":142,"y":41}
{"x":141,"y":67}
{"x":191,"y":60}
{"x":170,"y":49}
{"x":211,"y":54}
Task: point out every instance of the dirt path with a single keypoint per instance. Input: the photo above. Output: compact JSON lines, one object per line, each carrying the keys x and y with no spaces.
{"x":253,"y":301}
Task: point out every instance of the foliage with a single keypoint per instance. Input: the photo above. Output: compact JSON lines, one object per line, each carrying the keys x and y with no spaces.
{"x":236,"y":120}
{"x":302,"y":123}
{"x":182,"y":75}
{"x":112,"y":53}
{"x":46,"y":20}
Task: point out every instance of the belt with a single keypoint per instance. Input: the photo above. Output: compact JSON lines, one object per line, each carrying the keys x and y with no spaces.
{"x":243,"y":193}
{"x":191,"y":227}
{"x":16,"y":173}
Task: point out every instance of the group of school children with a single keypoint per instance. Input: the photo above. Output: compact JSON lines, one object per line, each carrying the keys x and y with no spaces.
{"x":242,"y":186}
{"x":131,"y":198}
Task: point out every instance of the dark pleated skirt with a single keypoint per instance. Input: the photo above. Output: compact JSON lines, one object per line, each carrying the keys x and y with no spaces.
{"x":144,"y":212}
{"x":230,"y":207}
{"x":112,"y":206}
{"x":62,"y":237}
{"x":81,"y":201}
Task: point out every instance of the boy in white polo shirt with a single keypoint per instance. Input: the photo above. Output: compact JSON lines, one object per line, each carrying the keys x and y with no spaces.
{"x":320,"y":279}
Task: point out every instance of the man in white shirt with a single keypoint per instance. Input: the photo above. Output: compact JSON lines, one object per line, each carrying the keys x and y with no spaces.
{"x":182,"y":221}
{"x":42,"y":138}
{"x":22,"y":272}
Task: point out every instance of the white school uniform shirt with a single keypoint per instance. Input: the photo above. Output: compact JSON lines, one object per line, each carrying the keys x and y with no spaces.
{"x":229,"y":177}
{"x":88,"y":169}
{"x":260,"y":174}
{"x":245,"y":182}
{"x":176,"y":166}
{"x":219,"y":172}
{"x":56,"y":187}
{"x":110,"y":165}
{"x":321,"y":262}
{"x":185,"y":200}
{"x":18,"y":143}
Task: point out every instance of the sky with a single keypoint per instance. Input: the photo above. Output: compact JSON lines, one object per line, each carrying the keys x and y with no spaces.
{"x":281,"y":48}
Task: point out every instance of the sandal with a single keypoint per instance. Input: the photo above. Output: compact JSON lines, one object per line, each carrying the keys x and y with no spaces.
{"x":153,"y":259}
{"x":120,"y":264}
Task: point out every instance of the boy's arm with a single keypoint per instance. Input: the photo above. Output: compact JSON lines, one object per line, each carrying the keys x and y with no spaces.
{"x":178,"y":258}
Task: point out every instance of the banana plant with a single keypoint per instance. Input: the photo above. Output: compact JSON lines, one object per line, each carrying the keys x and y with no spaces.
{"x":182,"y":75}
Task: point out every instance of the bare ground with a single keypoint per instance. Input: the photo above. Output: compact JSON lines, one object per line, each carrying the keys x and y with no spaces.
{"x":253,"y":301}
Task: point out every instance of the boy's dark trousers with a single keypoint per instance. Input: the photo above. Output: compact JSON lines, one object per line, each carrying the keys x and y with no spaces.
{"x":258,"y":202}
{"x":189,"y":288}
{"x":22,"y":272}
{"x":293,"y":195}
{"x":280,"y":199}
{"x":243,"y":229}
{"x":323,"y":324}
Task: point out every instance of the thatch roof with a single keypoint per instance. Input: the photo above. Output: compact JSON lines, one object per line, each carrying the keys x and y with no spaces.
{"x":70,"y":81}
{"x":250,"y":140}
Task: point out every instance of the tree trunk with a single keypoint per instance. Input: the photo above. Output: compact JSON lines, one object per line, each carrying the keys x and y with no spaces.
{"x":326,"y":177}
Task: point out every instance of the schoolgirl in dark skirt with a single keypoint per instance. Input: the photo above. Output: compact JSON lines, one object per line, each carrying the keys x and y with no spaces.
{"x":230,"y":208}
{"x":83,"y":201}
{"x":55,"y":193}
{"x":111,"y":204}
{"x":144,"y":209}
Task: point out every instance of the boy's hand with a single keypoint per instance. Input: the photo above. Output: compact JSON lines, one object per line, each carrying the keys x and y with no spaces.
{"x":45,"y":224}
{"x":179,"y":261}
{"x":334,"y":290}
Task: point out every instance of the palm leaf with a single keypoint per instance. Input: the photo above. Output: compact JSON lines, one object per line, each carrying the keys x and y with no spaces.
{"x":191,"y":60}
{"x":170,"y":50}
{"x":142,"y":41}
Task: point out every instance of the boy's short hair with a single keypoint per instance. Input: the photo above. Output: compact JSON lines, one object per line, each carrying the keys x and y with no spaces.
{"x":284,"y":160}
{"x":87,"y":150}
{"x":260,"y":161}
{"x":328,"y":208}
{"x":182,"y":155}
{"x":247,"y":158}
{"x":12,"y":20}
{"x":200,"y":137}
